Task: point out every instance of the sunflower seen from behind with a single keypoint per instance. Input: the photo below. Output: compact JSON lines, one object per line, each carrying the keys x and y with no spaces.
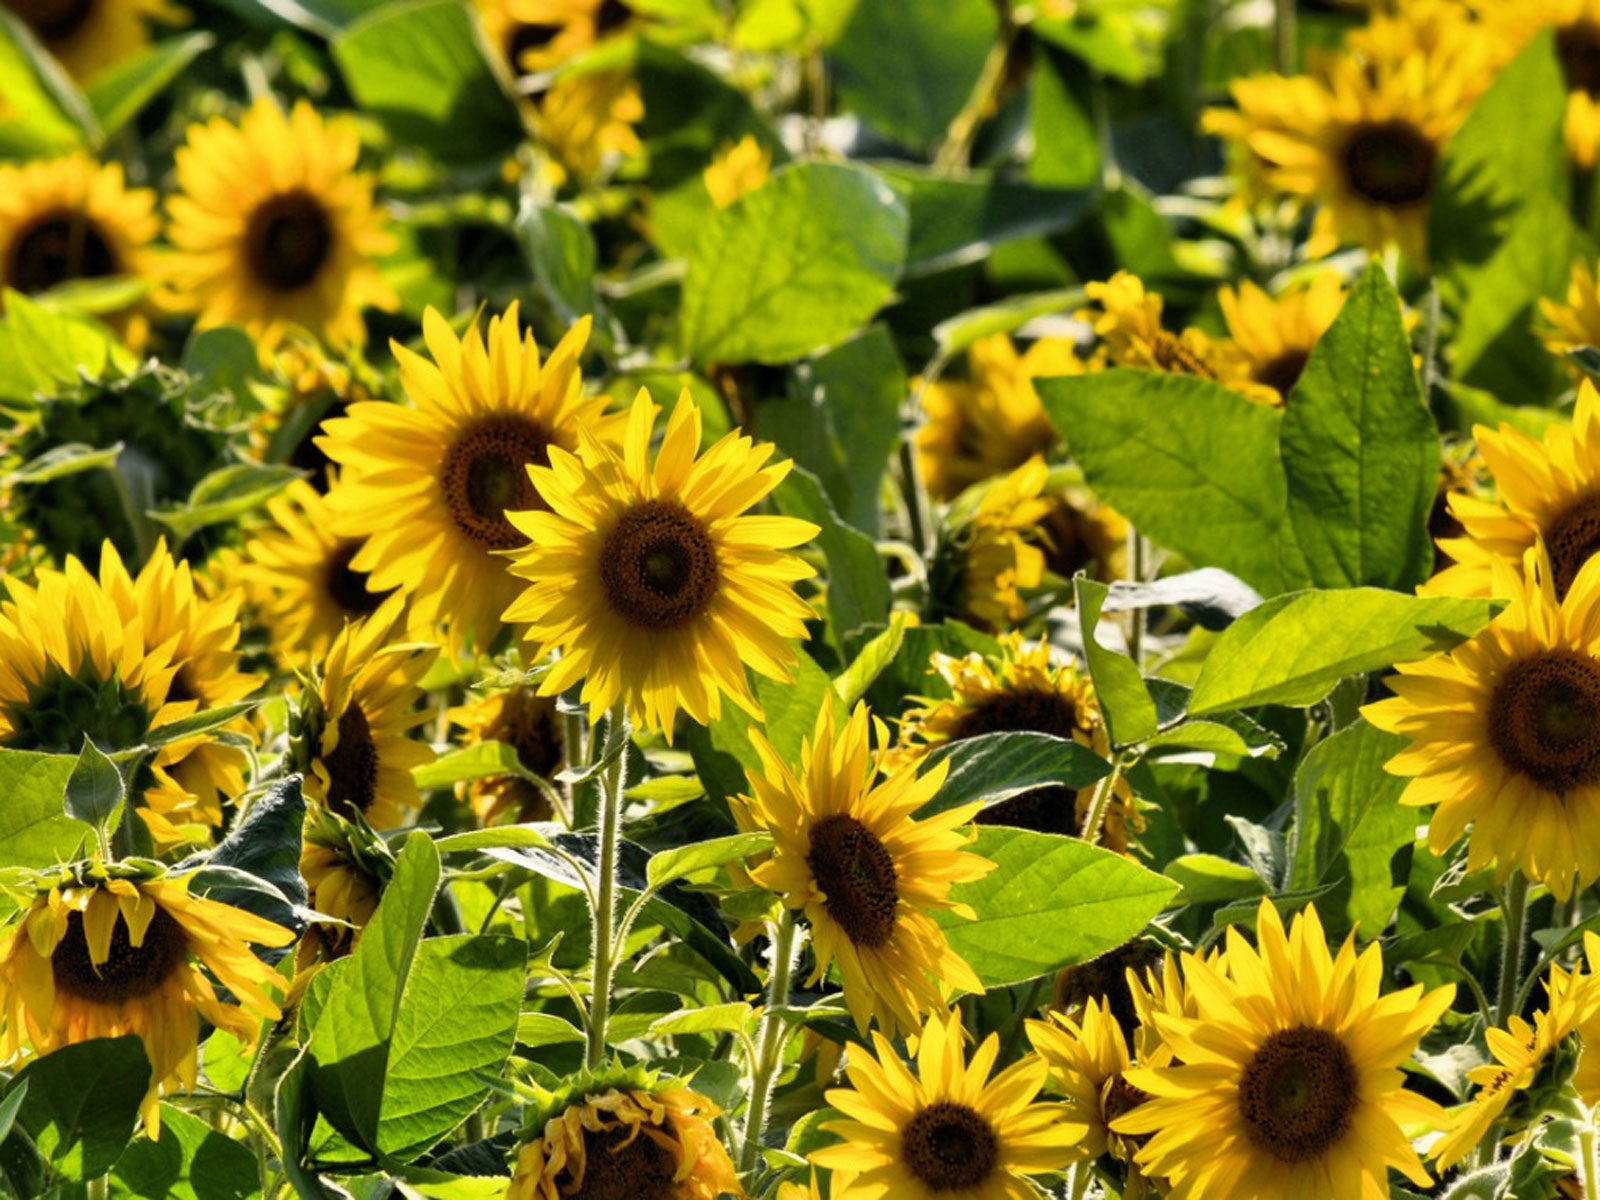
{"x":849,"y":853}
{"x":653,"y":580}
{"x":1504,"y":732}
{"x":274,"y":229}
{"x":87,"y":36}
{"x":948,"y":1129}
{"x":1286,"y":1082}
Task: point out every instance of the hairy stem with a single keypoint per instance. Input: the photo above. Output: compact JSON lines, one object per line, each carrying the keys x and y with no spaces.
{"x":769,"y":1050}
{"x":605,"y":907}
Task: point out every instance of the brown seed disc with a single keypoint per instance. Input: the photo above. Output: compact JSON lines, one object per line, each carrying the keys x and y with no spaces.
{"x":1298,"y":1094}
{"x":1019,"y":710}
{"x":640,"y":1170}
{"x":1573,"y":538}
{"x":58,"y":247}
{"x":1578,"y":48}
{"x":1284,"y":371}
{"x":1544,"y":719}
{"x":129,"y":971}
{"x":857,"y":875}
{"x":288,"y":241}
{"x":658,"y":566}
{"x":346,"y":586}
{"x":1389,"y":163}
{"x":353,"y":765}
{"x":950,"y":1147}
{"x":485,"y":475}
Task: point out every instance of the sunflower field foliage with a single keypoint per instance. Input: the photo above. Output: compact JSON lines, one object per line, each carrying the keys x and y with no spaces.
{"x":799,"y":599}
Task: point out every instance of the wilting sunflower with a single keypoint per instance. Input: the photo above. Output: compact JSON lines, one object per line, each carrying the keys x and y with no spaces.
{"x":299,"y":578}
{"x":352,"y":736}
{"x":71,"y":219}
{"x":1505,"y":733}
{"x":738,"y":168}
{"x":1088,"y":1056}
{"x":1286,"y":1082}
{"x":1276,"y":334}
{"x":432,"y":487}
{"x":1022,"y":692}
{"x":642,"y":1139}
{"x":991,"y":422}
{"x":527,"y":722}
{"x":1128,"y":323}
{"x":345,"y":869}
{"x":948,"y":1129}
{"x":1509,"y":27}
{"x":95,"y":956}
{"x":1575,"y":321}
{"x":853,"y":857}
{"x":1549,"y":493}
{"x":274,"y":228}
{"x":653,"y":582}
{"x":86,"y":36}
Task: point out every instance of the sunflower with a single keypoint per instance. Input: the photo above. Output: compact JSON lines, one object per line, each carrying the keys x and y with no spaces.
{"x":984,"y":563}
{"x":654,"y":583}
{"x":353,"y":733}
{"x":73,"y":219}
{"x":345,"y":869}
{"x":95,"y":955}
{"x":1574,"y":322}
{"x":1023,"y":692}
{"x":1510,"y":27}
{"x":1276,"y":334}
{"x":1128,"y":323}
{"x":527,"y":722}
{"x":949,"y":1129}
{"x":1505,"y":733}
{"x":853,"y":857}
{"x":585,"y":120}
{"x":1110,"y":980}
{"x":299,"y":578}
{"x":275,"y":228}
{"x":87,"y":36}
{"x":432,"y":488}
{"x":654,"y":1141}
{"x":1080,"y":533}
{"x":991,"y":422}
{"x":1286,"y":1082}
{"x":738,"y":168}
{"x":1088,"y":1056}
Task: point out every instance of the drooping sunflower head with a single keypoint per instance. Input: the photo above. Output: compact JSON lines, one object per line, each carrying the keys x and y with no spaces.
{"x":1505,"y":732}
{"x":102,"y":954}
{"x":432,"y":487}
{"x":87,"y":36}
{"x":1286,"y":1080}
{"x":352,"y":735}
{"x":851,"y":855}
{"x":274,"y":228}
{"x":1088,"y":1055}
{"x":528,"y":723}
{"x":738,"y":168}
{"x":653,"y":581}
{"x":1276,"y":334}
{"x":948,"y":1129}
{"x":987,"y":559}
{"x":346,"y":868}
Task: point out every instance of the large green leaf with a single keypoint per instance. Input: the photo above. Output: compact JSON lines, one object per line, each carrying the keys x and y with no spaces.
{"x":958,"y":221}
{"x":35,"y":830}
{"x":40,"y":350}
{"x":561,"y":254}
{"x":190,"y":1161}
{"x":996,"y":766}
{"x":858,"y":592}
{"x":1050,"y":902}
{"x":118,"y":94}
{"x":1360,"y":450}
{"x":794,"y":266}
{"x":1124,"y":699}
{"x":1293,"y":649}
{"x":45,"y":112}
{"x":83,"y":1101}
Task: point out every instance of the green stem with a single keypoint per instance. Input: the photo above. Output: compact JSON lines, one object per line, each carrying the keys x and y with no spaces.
{"x":1514,"y":910}
{"x":98,"y":1188}
{"x":1101,"y":804}
{"x":605,"y":908}
{"x":1430,"y":342}
{"x":1589,"y":1165}
{"x":957,"y":148}
{"x":1080,"y":1175}
{"x":1138,"y":554}
{"x":769,"y":1050}
{"x":1284,"y":56}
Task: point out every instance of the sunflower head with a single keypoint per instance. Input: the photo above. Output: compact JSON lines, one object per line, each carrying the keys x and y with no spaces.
{"x":1276,"y":334}
{"x":1088,"y":1056}
{"x":585,"y":121}
{"x":987,"y":559}
{"x":345,"y":867}
{"x":527,"y":722}
{"x":1111,"y":980}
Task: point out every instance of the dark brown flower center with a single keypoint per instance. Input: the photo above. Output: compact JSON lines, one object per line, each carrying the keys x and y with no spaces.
{"x":639,"y":1170}
{"x":1284,"y":371}
{"x":58,"y":247}
{"x":1578,"y":48}
{"x":857,"y":876}
{"x":346,"y":586}
{"x":1298,"y":1094}
{"x":533,"y":727}
{"x":1020,"y":710}
{"x":950,"y":1147}
{"x":129,"y":971}
{"x":288,"y":241}
{"x":1544,"y":719}
{"x":1106,"y":979}
{"x":1573,"y":538}
{"x":53,"y":20}
{"x":1043,"y":810}
{"x":523,"y":39}
{"x":485,"y":473}
{"x":1390,"y":163}
{"x":1120,"y":1098}
{"x":658,"y":566}
{"x":353,"y":765}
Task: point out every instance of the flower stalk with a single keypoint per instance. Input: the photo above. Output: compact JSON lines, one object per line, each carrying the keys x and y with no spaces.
{"x":605,"y":906}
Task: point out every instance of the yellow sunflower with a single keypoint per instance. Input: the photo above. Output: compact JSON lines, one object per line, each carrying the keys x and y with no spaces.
{"x":527,"y":722}
{"x":299,"y":578}
{"x":1509,"y":27}
{"x":355,"y":736}
{"x":432,"y":487}
{"x":1287,"y":1080}
{"x":1505,"y":733}
{"x":87,"y":36}
{"x":1575,"y":321}
{"x":1276,"y":334}
{"x":948,"y":1129}
{"x":538,"y":35}
{"x":738,"y":168}
{"x":345,"y":869}
{"x":1022,"y":692}
{"x":852,"y":856}
{"x":1127,"y":320}
{"x":656,"y":1142}
{"x":653,"y":582}
{"x":275,"y":229}
{"x":1088,"y":1056}
{"x":585,"y":121}
{"x":1549,"y":493}
{"x":94,"y":956}
{"x":1586,"y":1079}
{"x":991,"y":422}
{"x":1080,"y":533}
{"x":988,"y":561}
{"x":73,"y":219}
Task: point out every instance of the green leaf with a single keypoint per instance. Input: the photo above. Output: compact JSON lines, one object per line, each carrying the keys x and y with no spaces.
{"x":1207,"y":879}
{"x":294,"y":1116}
{"x":546,"y":1029}
{"x":83,"y":1101}
{"x":1215,"y":737}
{"x":794,"y":266}
{"x":40,"y":350}
{"x":264,"y":845}
{"x":190,"y":1161}
{"x":996,"y":766}
{"x":421,"y":68}
{"x":1049,"y":903}
{"x":10,"y":1106}
{"x":1360,"y":449}
{"x":667,"y":865}
{"x":35,"y":830}
{"x":911,"y":673}
{"x":791,"y":710}
{"x":875,"y":656}
{"x":225,"y":494}
{"x":959,"y":221}
{"x":955,"y":334}
{"x":1124,"y":699}
{"x":713,"y":1018}
{"x":858,"y":593}
{"x":1295,"y":648}
{"x":49,"y":114}
{"x":94,"y":793}
{"x":1194,"y":466}
{"x":690,"y":113}
{"x":484,"y":760}
{"x":119,"y":94}
{"x":513,"y":836}
{"x":61,"y":461}
{"x":1350,"y":831}
{"x":561,"y":253}
{"x":203,"y":721}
